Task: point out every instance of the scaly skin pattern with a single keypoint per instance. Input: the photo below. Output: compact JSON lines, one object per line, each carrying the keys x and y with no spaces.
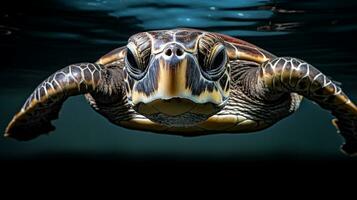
{"x":286,"y":75}
{"x":44,"y":103}
{"x":243,"y":112}
{"x":258,"y":89}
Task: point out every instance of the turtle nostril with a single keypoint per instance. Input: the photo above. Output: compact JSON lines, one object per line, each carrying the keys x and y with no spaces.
{"x":179,"y":52}
{"x":168,"y":52}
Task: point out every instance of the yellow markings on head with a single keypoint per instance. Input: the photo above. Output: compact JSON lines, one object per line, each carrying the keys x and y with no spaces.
{"x":172,"y":79}
{"x":210,"y":96}
{"x":172,"y":83}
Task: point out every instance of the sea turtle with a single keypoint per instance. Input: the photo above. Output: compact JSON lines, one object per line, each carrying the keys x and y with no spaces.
{"x":188,"y":82}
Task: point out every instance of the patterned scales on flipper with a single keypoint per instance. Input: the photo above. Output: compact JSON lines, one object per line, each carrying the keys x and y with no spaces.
{"x":44,"y":103}
{"x":293,"y":75}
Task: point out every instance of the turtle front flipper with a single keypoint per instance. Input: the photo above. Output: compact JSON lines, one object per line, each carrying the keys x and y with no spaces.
{"x":284,"y":75}
{"x":45,"y":102}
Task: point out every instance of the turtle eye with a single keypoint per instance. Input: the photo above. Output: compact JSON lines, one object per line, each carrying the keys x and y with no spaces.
{"x":131,"y":59}
{"x":218,"y":60}
{"x":216,"y":63}
{"x":135,"y":68}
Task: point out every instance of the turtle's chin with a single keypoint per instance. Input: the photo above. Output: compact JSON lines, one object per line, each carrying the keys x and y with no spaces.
{"x":177,"y":112}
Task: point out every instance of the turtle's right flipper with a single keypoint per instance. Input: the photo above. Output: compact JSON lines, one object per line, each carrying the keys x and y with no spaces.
{"x":284,"y":75}
{"x":45,"y":102}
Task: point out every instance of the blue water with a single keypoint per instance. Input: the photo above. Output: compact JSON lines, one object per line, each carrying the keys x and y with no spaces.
{"x":39,"y":37}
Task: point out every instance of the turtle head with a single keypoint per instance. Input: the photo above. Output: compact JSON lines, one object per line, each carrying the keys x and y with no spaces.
{"x":177,"y":77}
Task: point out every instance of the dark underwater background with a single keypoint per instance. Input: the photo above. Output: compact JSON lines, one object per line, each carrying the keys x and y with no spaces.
{"x":39,"y":37}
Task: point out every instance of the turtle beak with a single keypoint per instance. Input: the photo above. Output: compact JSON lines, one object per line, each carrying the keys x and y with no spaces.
{"x":166,"y":77}
{"x":172,"y":72}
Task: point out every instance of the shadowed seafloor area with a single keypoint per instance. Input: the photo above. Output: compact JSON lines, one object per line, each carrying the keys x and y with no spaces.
{"x":39,"y":37}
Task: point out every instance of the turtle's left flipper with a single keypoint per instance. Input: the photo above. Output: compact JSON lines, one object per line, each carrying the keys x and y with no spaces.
{"x":46,"y":101}
{"x":284,"y":75}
